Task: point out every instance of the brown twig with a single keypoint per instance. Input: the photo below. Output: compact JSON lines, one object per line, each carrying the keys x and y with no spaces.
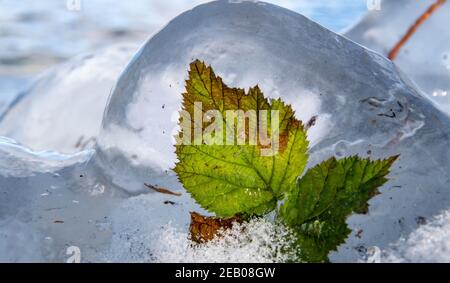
{"x":162,"y":190}
{"x":394,"y":52}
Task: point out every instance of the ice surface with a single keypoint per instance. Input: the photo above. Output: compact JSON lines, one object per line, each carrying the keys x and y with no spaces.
{"x":55,"y":32}
{"x":364,"y":106}
{"x":97,"y":200}
{"x":10,"y":86}
{"x":63,"y":109}
{"x":18,"y":161}
{"x":426,"y":56}
{"x":48,"y":204}
{"x":47,"y":209}
{"x":430,"y":243}
{"x":256,"y":241}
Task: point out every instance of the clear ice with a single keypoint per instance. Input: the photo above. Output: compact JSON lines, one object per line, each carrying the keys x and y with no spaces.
{"x":425,"y":58}
{"x":96,"y":199}
{"x":63,"y":109}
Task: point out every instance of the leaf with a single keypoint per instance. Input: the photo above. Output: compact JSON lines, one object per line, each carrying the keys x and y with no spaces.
{"x":318,"y":206}
{"x":204,"y":229}
{"x":224,"y":175}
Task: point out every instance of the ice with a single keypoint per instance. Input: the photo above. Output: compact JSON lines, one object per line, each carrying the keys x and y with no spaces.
{"x":425,"y":57}
{"x":17,"y":161}
{"x":54,"y":39}
{"x":98,"y":202}
{"x":364,"y":105}
{"x":36,"y":36}
{"x":63,"y":109}
{"x":430,"y":243}
{"x":9,"y":87}
{"x":47,"y":206}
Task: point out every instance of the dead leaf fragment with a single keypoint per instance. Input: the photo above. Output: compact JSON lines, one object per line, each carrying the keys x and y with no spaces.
{"x":203,"y":229}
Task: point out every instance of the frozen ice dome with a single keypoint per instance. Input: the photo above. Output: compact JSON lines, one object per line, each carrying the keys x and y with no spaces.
{"x":96,"y":200}
{"x":364,"y":106}
{"x":141,"y":117}
{"x":63,"y":109}
{"x":425,"y":58}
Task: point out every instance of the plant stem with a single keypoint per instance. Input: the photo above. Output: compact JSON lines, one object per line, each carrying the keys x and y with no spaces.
{"x":394,"y":52}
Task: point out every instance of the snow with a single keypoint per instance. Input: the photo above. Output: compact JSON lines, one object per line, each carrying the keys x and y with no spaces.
{"x":254,"y":241}
{"x":96,"y":200}
{"x":425,"y":57}
{"x":257,"y":241}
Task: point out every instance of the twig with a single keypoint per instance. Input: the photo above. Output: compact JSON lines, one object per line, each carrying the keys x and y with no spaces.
{"x":311,"y":122}
{"x":394,"y":52}
{"x":162,"y":190}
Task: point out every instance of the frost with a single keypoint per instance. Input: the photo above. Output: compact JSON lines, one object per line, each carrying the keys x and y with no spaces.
{"x":257,"y":241}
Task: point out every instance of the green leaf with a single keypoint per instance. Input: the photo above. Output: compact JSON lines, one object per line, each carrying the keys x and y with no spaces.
{"x":318,"y":206}
{"x":230,"y":178}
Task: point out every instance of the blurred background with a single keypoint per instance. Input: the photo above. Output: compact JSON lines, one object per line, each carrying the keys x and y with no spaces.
{"x":36,"y":35}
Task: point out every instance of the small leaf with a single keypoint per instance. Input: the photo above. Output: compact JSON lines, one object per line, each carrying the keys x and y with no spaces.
{"x":231,"y":178}
{"x":327,"y":194}
{"x":204,"y":229}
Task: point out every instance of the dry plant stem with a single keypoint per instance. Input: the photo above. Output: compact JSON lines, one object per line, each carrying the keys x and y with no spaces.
{"x":394,"y":52}
{"x":162,"y":190}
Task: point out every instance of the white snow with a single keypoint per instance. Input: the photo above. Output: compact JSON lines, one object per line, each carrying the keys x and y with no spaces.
{"x":168,"y":240}
{"x":258,"y":241}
